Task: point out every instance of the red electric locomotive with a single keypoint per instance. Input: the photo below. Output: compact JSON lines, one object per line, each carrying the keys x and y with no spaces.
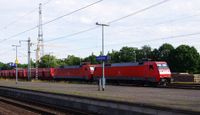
{"x":147,"y":72}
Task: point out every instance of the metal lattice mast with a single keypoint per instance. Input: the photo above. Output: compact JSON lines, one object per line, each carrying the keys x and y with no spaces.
{"x":40,"y":46}
{"x":40,"y":32}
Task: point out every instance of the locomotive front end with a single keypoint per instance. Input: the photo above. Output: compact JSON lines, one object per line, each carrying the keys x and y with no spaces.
{"x":164,"y":73}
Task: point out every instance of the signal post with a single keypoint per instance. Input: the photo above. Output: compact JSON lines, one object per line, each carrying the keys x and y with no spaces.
{"x":16,"y":62}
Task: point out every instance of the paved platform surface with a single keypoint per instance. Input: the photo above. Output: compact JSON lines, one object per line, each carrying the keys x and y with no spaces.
{"x":173,"y":98}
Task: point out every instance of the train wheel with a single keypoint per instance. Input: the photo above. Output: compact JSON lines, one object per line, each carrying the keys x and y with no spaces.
{"x":154,"y":84}
{"x":164,"y":82}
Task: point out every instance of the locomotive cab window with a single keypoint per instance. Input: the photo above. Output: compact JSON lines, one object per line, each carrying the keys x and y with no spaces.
{"x":150,"y":67}
{"x":162,"y":66}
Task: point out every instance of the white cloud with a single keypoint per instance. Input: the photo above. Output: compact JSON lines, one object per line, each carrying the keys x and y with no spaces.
{"x":176,"y":15}
{"x":85,"y":20}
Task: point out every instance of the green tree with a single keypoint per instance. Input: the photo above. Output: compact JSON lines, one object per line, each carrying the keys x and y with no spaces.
{"x":61,"y":62}
{"x":5,"y":66}
{"x":91,"y":59}
{"x":72,"y":60}
{"x":165,"y":51}
{"x":115,"y":56}
{"x":145,"y":52}
{"x":127,"y":54}
{"x":184,"y":59}
{"x":48,"y":61}
{"x":155,"y":55}
{"x":22,"y":65}
{"x":1,"y":65}
{"x":198,"y":68}
{"x":32,"y":63}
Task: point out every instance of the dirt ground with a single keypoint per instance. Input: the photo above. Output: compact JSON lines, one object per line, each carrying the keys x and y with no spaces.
{"x":174,"y":98}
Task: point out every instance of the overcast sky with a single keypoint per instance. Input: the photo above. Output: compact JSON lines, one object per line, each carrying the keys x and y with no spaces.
{"x":152,"y":27}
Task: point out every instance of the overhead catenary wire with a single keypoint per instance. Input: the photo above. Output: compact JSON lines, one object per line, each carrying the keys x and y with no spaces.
{"x":72,"y":12}
{"x":5,"y":52}
{"x":89,"y":29}
{"x":139,"y":11}
{"x":163,"y":38}
{"x":134,"y":13}
{"x":51,"y":20}
{"x":18,"y":19}
{"x":150,"y":40}
{"x":73,"y":34}
{"x":21,"y":17}
{"x":162,"y":22}
{"x":83,"y":31}
{"x":110,"y":22}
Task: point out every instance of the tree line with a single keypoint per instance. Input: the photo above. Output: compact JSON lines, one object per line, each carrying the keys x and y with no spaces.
{"x":183,"y":58}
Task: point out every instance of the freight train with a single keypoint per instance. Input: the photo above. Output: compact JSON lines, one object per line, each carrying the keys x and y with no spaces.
{"x":154,"y":72}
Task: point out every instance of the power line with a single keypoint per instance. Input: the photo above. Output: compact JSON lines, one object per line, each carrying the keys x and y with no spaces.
{"x":51,"y":20}
{"x":178,"y":19}
{"x":5,"y":52}
{"x":89,"y":29}
{"x":18,"y":19}
{"x":18,"y":34}
{"x":163,"y":38}
{"x":139,"y":11}
{"x":156,"y":39}
{"x":28,"y":13}
{"x":163,"y":22}
{"x":72,"y":12}
{"x":134,"y":13}
{"x":47,"y":2}
{"x":73,"y":34}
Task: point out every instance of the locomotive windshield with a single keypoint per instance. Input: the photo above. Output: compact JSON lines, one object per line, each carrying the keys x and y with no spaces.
{"x":162,"y":66}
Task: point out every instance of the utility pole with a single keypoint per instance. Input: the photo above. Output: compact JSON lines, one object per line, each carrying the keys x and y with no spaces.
{"x":16,"y":62}
{"x":102,"y":80}
{"x":36,"y":65}
{"x":40,"y":45}
{"x":29,"y":56}
{"x":29,"y":59}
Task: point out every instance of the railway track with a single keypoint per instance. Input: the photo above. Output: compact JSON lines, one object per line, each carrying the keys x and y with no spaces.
{"x":172,"y":86}
{"x":32,"y":107}
{"x":7,"y":108}
{"x":184,"y":86}
{"x":35,"y":108}
{"x":195,"y":86}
